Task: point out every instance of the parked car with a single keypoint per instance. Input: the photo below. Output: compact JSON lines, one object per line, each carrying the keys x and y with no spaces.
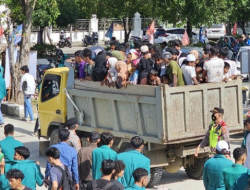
{"x":165,"y":35}
{"x":215,"y":31}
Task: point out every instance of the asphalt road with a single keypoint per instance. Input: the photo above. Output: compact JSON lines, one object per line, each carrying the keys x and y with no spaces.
{"x":177,"y":181}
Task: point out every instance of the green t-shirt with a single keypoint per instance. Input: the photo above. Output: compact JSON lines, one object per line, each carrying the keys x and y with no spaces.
{"x":174,"y":68}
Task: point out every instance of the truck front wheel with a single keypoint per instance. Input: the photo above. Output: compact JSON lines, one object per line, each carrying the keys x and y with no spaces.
{"x":195,"y":171}
{"x":54,"y":137}
{"x":155,"y":176}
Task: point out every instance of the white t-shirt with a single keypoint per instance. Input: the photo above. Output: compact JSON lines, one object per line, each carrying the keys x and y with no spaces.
{"x":247,"y":163}
{"x":188,"y":73}
{"x":215,"y":69}
{"x":31,"y":85}
{"x":233,"y":67}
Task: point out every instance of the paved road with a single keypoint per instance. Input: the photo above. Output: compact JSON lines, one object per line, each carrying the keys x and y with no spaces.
{"x":177,"y":181}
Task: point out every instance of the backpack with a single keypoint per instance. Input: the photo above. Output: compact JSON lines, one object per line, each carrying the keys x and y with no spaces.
{"x":66,"y":182}
{"x":106,"y":187}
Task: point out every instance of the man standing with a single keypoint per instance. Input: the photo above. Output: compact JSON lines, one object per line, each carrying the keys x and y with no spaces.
{"x":174,"y":72}
{"x":85,"y":158}
{"x":102,"y":153}
{"x":8,"y":145}
{"x":28,"y":87}
{"x":134,"y":159}
{"x":2,"y":93}
{"x":213,"y":69}
{"x":140,"y":176}
{"x":73,"y":140}
{"x":56,"y":175}
{"x":233,"y":173}
{"x":30,"y":169}
{"x":15,"y":178}
{"x":212,"y":173}
{"x":79,"y":60}
{"x":217,"y":131}
{"x":68,"y":157}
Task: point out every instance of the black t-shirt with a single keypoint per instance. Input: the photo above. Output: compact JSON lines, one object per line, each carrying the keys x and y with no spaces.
{"x":25,"y":188}
{"x":101,"y":183}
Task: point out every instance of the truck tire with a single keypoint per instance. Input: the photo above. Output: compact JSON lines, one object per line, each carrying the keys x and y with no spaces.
{"x":54,"y":137}
{"x":195,"y":171}
{"x":155,"y":176}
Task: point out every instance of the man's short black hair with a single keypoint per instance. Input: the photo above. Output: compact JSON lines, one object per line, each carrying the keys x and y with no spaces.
{"x":53,"y":152}
{"x":224,"y":51}
{"x":214,"y":50}
{"x":238,"y":152}
{"x":87,"y":53}
{"x":158,"y":55}
{"x":23,"y":151}
{"x":112,"y":43}
{"x":121,"y":48}
{"x":94,"y":136}
{"x":226,"y":65}
{"x":25,"y":68}
{"x":8,"y":129}
{"x":79,"y":54}
{"x":137,"y":44}
{"x":139,"y":173}
{"x":119,"y":166}
{"x":15,"y":173}
{"x":106,"y":138}
{"x":136,"y":142}
{"x":107,"y":167}
{"x":155,"y":48}
{"x":64,"y":134}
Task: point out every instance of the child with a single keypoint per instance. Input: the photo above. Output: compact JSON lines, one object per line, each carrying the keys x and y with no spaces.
{"x":80,"y":64}
{"x":112,"y":73}
{"x":188,"y":70}
{"x":135,"y":73}
{"x":154,"y":80}
{"x":131,"y":56}
{"x":122,"y":74}
{"x":88,"y":68}
{"x":226,"y":76}
{"x":165,"y":80}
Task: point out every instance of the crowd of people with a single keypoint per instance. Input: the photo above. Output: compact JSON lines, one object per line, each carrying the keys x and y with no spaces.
{"x":147,"y":64}
{"x":71,"y":166}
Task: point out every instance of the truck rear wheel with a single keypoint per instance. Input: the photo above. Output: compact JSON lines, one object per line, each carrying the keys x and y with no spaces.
{"x":155,"y":176}
{"x":54,"y":137}
{"x":195,"y":171}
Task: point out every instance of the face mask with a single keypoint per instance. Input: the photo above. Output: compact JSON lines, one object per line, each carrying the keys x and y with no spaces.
{"x":213,"y":118}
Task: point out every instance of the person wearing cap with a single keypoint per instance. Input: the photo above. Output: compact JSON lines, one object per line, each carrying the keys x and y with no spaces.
{"x":213,"y":69}
{"x":174,"y":71}
{"x":73,"y":140}
{"x":231,"y":174}
{"x":217,"y":131}
{"x":145,"y":65}
{"x":188,"y":70}
{"x":223,"y":54}
{"x":85,"y":158}
{"x":134,"y":159}
{"x":213,"y":168}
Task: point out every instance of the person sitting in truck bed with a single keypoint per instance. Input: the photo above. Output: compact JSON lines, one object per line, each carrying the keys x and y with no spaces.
{"x":88,"y":69}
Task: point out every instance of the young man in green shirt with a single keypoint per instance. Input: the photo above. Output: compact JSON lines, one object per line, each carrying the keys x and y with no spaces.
{"x":231,"y":174}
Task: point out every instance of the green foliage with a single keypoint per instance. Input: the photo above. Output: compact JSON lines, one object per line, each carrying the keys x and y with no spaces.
{"x":45,"y":13}
{"x":44,"y":50}
{"x":69,"y":12}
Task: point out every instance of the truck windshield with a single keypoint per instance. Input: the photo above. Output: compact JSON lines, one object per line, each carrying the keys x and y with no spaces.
{"x":50,"y":87}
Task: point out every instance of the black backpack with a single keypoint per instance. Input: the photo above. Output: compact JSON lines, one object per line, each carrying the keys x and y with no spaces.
{"x":106,"y":187}
{"x":66,"y":182}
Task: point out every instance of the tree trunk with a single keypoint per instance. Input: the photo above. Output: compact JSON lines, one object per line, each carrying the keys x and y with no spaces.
{"x":189,"y":30}
{"x":48,"y":35}
{"x":28,"y":8}
{"x":40,"y":36}
{"x":127,"y":30}
{"x":242,"y":26}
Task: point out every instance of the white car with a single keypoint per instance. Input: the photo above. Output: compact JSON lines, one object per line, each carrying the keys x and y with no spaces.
{"x":215,"y":31}
{"x":164,"y":35}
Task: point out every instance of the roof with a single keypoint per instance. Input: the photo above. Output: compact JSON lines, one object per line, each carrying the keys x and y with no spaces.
{"x":58,"y":70}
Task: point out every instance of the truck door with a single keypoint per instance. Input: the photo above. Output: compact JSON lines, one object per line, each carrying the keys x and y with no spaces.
{"x":50,"y":102}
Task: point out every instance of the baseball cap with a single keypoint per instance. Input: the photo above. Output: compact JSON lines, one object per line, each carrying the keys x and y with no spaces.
{"x":217,"y":110}
{"x":222,"y":145}
{"x":70,"y":122}
{"x":167,"y":55}
{"x":144,"y":49}
{"x":207,"y":48}
{"x":191,"y":57}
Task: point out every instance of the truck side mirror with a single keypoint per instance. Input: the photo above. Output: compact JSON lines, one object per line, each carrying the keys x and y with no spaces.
{"x":245,"y":61}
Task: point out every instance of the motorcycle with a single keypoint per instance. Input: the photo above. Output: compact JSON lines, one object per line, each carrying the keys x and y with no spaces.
{"x":65,"y":42}
{"x":93,"y":40}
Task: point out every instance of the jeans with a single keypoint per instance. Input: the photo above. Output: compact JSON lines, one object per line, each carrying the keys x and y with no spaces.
{"x":1,"y":116}
{"x":28,"y":107}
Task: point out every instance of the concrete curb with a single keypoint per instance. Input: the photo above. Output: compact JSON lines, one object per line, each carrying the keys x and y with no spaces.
{"x":13,"y":109}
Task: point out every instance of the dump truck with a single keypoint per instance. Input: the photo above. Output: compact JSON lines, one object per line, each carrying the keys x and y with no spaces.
{"x":171,"y":120}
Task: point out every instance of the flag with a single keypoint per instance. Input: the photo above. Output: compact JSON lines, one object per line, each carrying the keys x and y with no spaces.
{"x":201,"y":39}
{"x":185,"y":39}
{"x":109,"y":33}
{"x":235,"y":29}
{"x":1,"y":31}
{"x":150,"y":32}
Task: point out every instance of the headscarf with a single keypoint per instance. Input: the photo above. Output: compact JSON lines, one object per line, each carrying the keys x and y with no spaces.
{"x":100,"y":70}
{"x":121,"y":68}
{"x":112,"y":61}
